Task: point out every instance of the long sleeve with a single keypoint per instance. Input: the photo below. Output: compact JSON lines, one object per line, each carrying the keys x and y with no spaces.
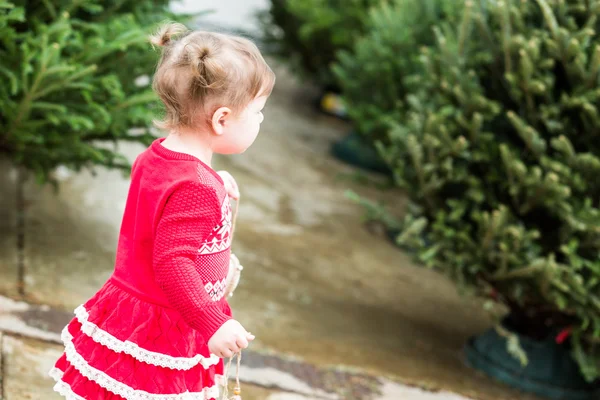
{"x":189,"y":216}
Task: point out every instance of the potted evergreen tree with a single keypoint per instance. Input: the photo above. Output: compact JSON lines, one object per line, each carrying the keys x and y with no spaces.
{"x":371,"y":73}
{"x":500,"y":155}
{"x":67,"y":88}
{"x":306,"y":34}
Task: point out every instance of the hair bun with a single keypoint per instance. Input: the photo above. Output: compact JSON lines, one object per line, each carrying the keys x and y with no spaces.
{"x":204,"y":53}
{"x":166,"y":32}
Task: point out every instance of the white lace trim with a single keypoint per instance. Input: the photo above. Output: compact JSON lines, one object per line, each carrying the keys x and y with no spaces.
{"x":63,"y":388}
{"x":120,"y":388}
{"x":140,"y":354}
{"x":55,"y":374}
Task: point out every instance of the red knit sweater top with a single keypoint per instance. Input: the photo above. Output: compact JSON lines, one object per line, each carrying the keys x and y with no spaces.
{"x":174,"y":245}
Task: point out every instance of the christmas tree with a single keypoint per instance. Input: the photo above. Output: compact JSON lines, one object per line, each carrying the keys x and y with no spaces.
{"x":500,"y":153}
{"x":371,"y":73}
{"x":308,"y":33}
{"x":68,"y":86}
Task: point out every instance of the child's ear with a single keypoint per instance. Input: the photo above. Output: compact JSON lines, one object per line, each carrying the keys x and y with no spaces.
{"x":219,"y":119}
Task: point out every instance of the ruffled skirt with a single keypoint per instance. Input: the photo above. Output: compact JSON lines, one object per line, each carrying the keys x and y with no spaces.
{"x":121,"y":347}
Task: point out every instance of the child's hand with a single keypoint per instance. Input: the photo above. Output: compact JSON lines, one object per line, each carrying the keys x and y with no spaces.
{"x":230,"y":185}
{"x":231,"y":338}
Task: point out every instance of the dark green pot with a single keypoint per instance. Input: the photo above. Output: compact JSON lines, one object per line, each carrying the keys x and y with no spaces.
{"x":356,"y":151}
{"x":551,"y":372}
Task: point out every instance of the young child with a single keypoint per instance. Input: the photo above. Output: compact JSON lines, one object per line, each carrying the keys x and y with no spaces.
{"x":160,"y":325}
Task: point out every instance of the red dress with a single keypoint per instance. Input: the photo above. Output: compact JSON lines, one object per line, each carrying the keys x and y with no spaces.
{"x":144,"y":334}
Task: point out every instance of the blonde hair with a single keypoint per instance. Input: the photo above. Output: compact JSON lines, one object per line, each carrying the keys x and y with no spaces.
{"x":199,"y":72}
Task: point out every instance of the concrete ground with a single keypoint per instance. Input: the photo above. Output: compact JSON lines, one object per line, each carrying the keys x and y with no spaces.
{"x":339,"y":313}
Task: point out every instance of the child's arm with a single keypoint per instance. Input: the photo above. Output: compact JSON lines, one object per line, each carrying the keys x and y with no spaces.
{"x":189,"y":216}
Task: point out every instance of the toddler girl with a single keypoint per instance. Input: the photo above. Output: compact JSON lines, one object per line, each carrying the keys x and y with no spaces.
{"x":160,"y":325}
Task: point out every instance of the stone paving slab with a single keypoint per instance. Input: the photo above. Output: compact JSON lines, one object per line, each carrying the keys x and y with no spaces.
{"x":9,"y":234}
{"x":26,"y":366}
{"x":32,"y":321}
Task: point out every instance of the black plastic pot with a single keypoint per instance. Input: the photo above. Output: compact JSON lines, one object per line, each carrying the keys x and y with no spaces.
{"x":356,"y":151}
{"x":551,"y":371}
